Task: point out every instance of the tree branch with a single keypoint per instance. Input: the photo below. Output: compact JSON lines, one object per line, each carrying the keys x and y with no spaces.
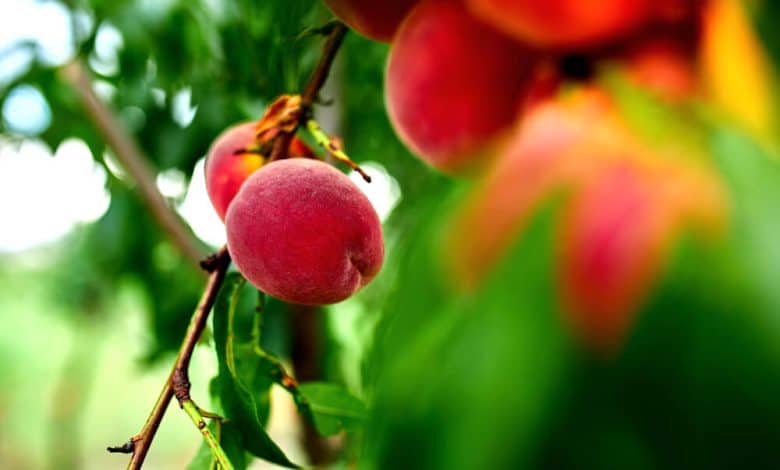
{"x":132,"y":160}
{"x":137,"y":165}
{"x":212,"y":441}
{"x":313,"y":87}
{"x":178,"y":381}
{"x":322,"y":69}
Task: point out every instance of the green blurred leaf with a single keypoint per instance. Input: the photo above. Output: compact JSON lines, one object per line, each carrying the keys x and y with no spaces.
{"x":705,"y":349}
{"x":466,"y":381}
{"x":753,"y":181}
{"x":232,"y":439}
{"x":332,"y":407}
{"x":244,"y":403}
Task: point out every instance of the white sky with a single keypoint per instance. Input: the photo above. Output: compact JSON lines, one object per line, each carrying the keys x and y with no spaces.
{"x":43,"y":197}
{"x":45,"y":193}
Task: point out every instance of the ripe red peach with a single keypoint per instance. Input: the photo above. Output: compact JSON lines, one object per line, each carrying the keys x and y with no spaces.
{"x":563,"y":23}
{"x":616,"y":237}
{"x":228,"y":166}
{"x":613,"y":240}
{"x":534,"y":161}
{"x":452,"y":84}
{"x":301,"y":231}
{"x":676,"y":12}
{"x":377,"y":20}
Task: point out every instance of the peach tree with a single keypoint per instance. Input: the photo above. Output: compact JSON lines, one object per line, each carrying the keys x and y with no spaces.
{"x":581,"y":271}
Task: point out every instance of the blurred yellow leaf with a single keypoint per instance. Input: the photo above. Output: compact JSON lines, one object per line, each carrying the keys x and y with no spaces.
{"x":735,"y":67}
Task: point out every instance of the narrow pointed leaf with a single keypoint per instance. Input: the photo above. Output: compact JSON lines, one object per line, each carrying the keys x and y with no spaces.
{"x":243,"y":405}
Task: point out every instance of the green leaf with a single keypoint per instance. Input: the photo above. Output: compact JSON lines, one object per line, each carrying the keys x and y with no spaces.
{"x":243,"y":404}
{"x":753,"y":180}
{"x":332,"y":407}
{"x":232,"y":443}
{"x":467,"y":380}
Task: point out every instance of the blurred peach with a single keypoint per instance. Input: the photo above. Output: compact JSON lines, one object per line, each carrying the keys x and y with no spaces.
{"x":623,"y":205}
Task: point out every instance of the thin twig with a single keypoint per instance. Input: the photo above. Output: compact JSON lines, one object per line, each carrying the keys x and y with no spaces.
{"x":313,"y":87}
{"x":322,"y":70}
{"x":126,"y":448}
{"x":132,"y":159}
{"x":195,"y":415}
{"x":178,"y":381}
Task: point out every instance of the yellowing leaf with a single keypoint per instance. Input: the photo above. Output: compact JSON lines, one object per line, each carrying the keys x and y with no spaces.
{"x":735,"y":67}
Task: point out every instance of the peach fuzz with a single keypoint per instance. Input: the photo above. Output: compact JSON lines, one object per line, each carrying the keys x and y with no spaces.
{"x":301,"y":231}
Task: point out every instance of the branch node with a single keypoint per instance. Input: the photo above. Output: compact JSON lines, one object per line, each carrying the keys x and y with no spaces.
{"x":180,"y":383}
{"x":126,"y":448}
{"x":288,"y":381}
{"x":336,"y":32}
{"x":215,"y":261}
{"x":324,"y":101}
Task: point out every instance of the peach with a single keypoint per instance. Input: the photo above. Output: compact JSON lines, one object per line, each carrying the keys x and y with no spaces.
{"x":563,"y":23}
{"x":613,"y":240}
{"x":616,"y":236}
{"x":228,"y":165}
{"x":534,"y":161}
{"x":676,"y":12}
{"x":373,"y":19}
{"x":625,"y":203}
{"x":452,"y":84}
{"x":301,"y":231}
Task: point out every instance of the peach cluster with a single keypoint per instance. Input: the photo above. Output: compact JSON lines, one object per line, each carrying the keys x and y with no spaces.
{"x":512,"y":93}
{"x":236,"y":154}
{"x":297,"y":228}
{"x":461,"y":72}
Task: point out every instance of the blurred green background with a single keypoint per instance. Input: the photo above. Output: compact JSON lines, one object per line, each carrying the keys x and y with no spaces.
{"x":94,"y":298}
